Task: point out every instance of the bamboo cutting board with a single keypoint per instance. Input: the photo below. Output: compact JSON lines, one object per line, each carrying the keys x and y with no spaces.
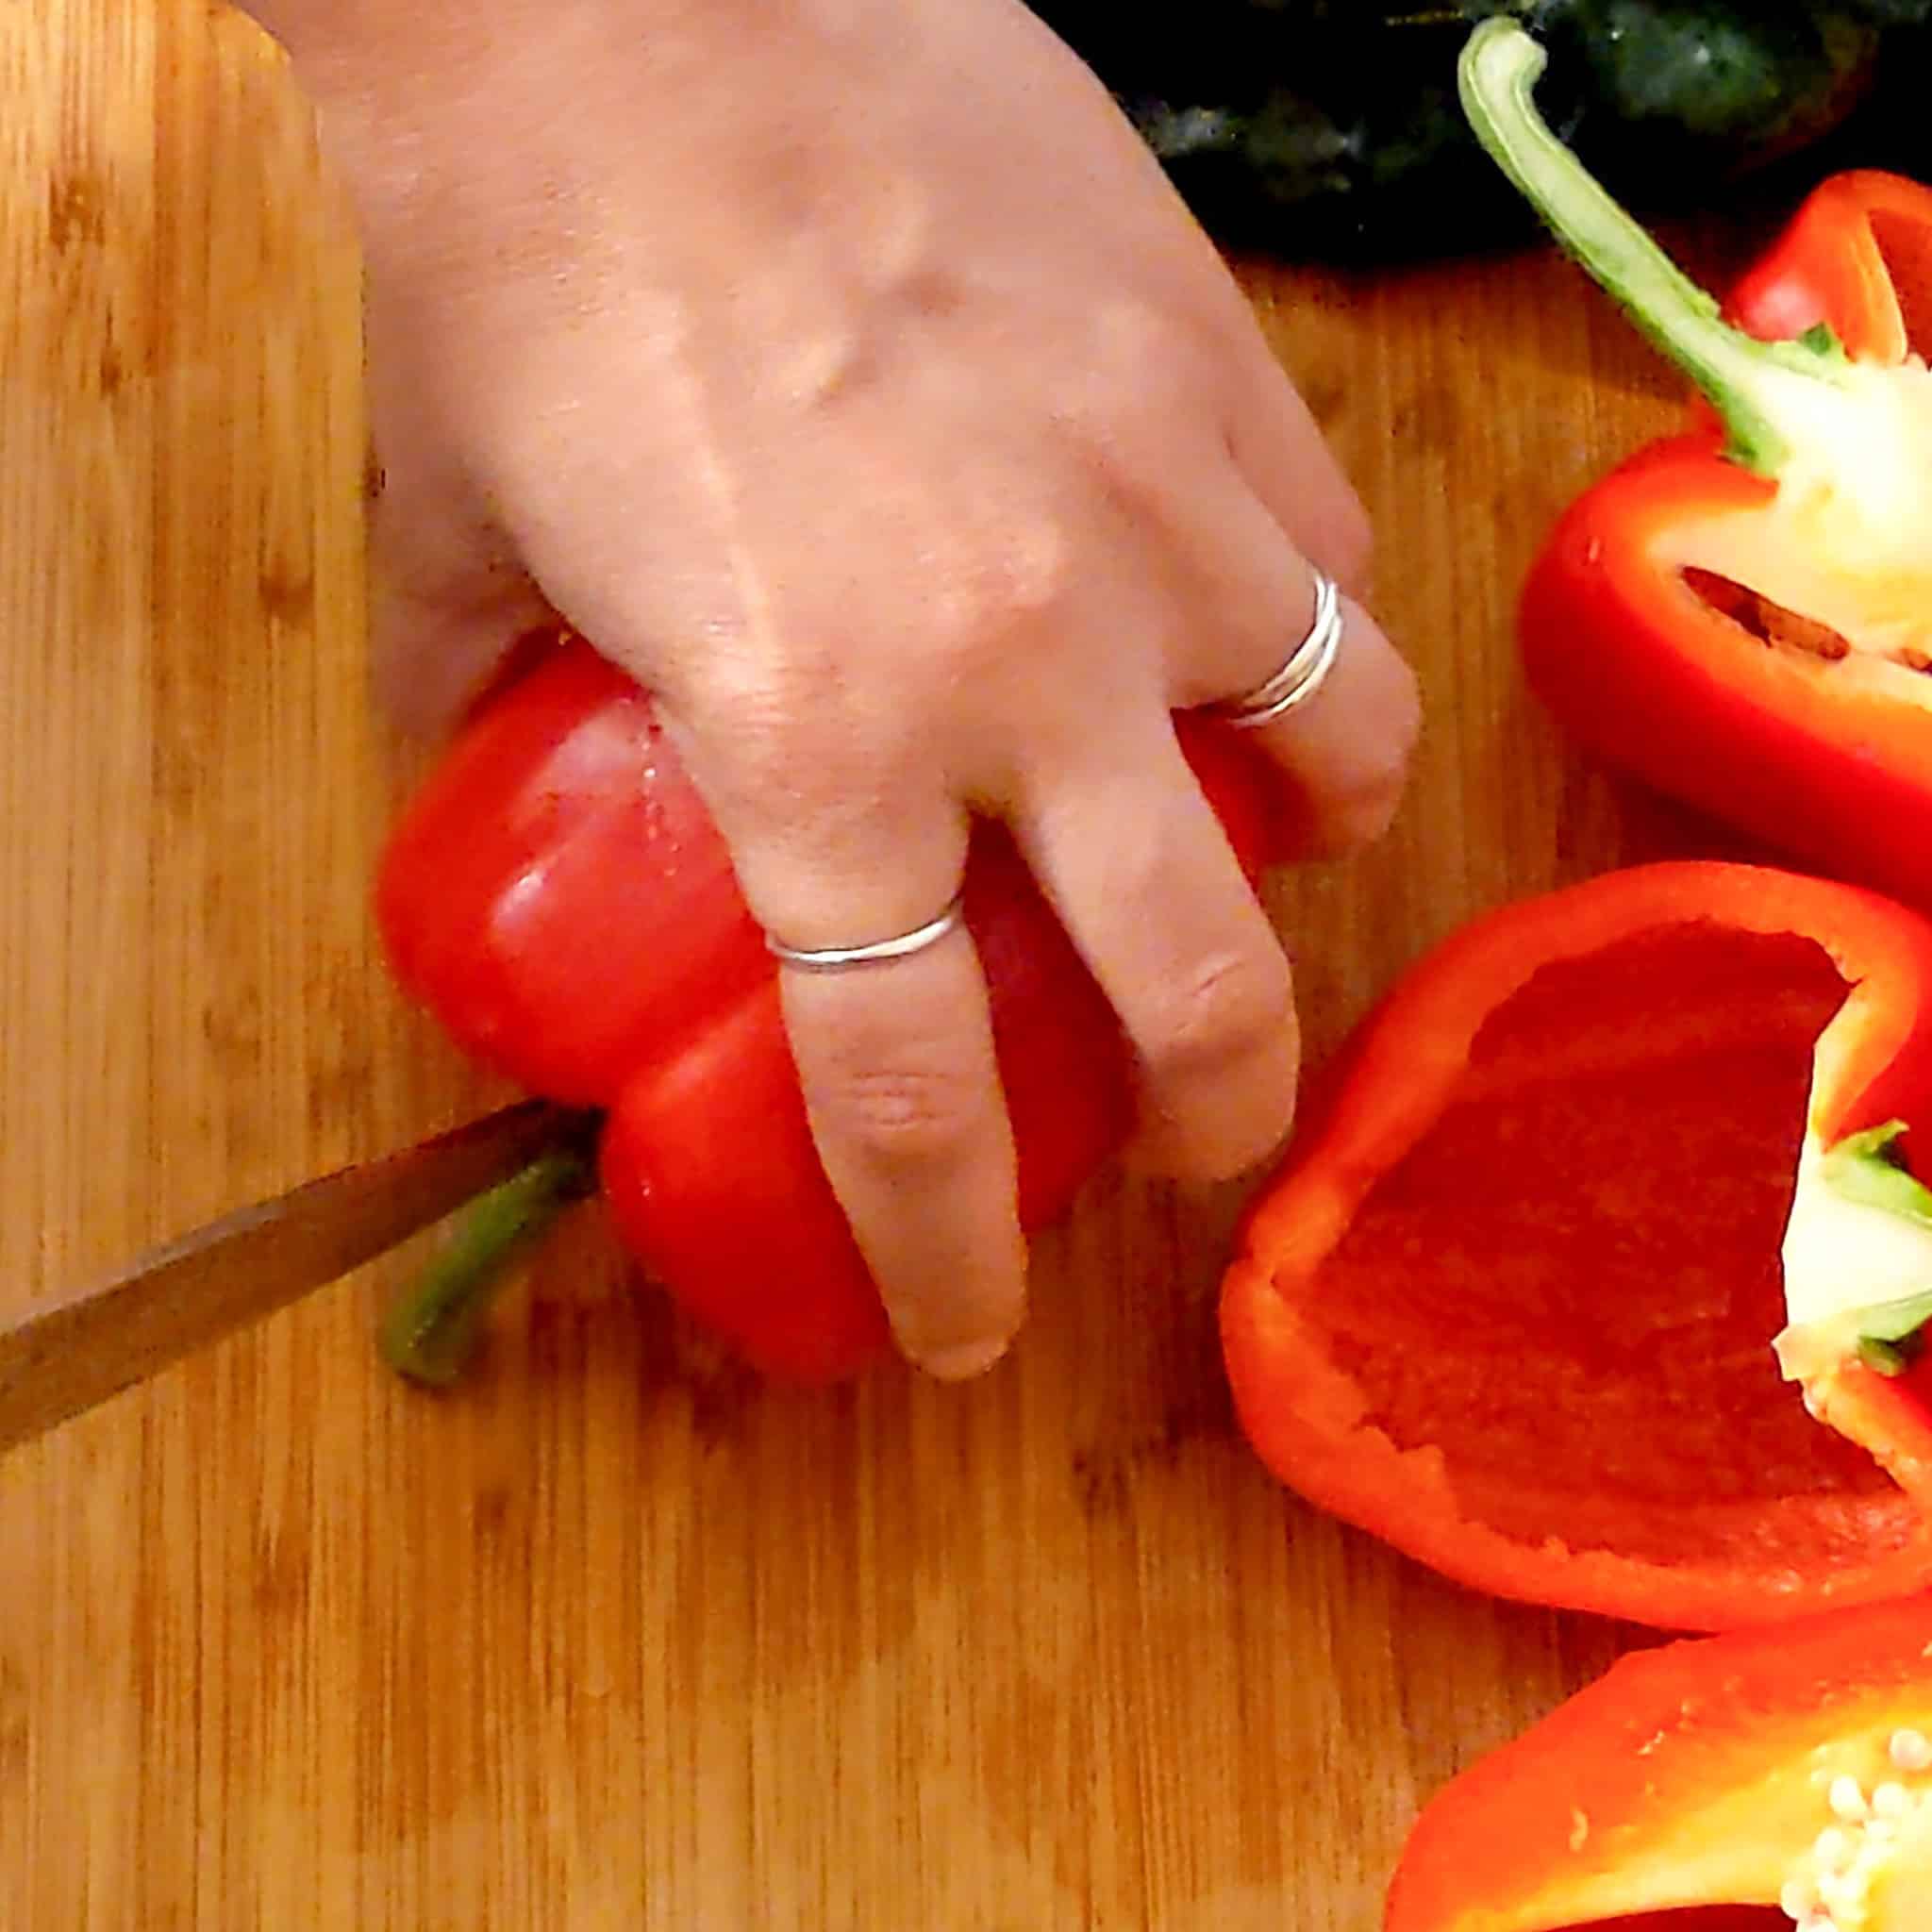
{"x":614,"y":1637}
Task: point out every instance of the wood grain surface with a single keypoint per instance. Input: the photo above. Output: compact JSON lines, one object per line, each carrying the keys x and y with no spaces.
{"x":614,"y":1637}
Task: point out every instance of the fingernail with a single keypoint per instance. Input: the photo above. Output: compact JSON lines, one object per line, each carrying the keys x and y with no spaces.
{"x":962,"y":1360}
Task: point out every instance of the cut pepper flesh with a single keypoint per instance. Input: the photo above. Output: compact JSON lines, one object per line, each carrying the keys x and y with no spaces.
{"x":1511,"y":1302}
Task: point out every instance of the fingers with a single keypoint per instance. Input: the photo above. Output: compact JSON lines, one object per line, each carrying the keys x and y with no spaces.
{"x":1278,"y":448}
{"x":1251,"y":600}
{"x":1348,"y":745}
{"x":1141,"y":876}
{"x":902,"y":1092}
{"x":895,"y":1057}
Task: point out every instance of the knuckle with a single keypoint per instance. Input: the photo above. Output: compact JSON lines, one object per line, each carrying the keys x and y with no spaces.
{"x":750,"y":751}
{"x":1227,"y":1008}
{"x":903,"y":1117}
{"x":995,"y":587}
{"x":1148,"y":367}
{"x":1141,"y":343}
{"x":773,"y":748}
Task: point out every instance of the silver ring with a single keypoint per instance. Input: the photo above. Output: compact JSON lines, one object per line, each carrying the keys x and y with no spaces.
{"x":900,"y":946}
{"x":1301,"y":675}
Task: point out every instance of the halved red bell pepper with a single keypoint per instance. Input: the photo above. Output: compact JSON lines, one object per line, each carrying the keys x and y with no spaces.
{"x":1788,"y":1770}
{"x":1511,"y":1301}
{"x":1741,"y":615}
{"x":558,"y":896}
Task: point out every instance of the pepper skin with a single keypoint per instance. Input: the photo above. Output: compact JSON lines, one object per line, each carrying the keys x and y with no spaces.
{"x":1510,"y":1303}
{"x":557,"y":895}
{"x":1773,"y":673}
{"x":1784,"y":1774}
{"x":1857,"y":257}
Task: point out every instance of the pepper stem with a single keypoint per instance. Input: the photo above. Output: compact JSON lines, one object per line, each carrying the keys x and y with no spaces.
{"x":1740,"y":376}
{"x":431,"y":1331}
{"x":1869,"y":1170}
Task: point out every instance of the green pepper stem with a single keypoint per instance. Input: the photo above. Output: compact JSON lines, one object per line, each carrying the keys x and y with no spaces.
{"x":431,"y":1331}
{"x":1892,"y":1337}
{"x":1738,"y":374}
{"x":1867,"y":1168}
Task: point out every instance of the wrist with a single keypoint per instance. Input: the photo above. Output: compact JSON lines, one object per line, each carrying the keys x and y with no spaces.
{"x":375,"y":37}
{"x":449,"y":118}
{"x":343,"y":40}
{"x":410,"y":62}
{"x":429,"y":107}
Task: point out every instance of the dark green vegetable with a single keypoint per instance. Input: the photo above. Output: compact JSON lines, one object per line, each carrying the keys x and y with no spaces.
{"x":1327,"y":128}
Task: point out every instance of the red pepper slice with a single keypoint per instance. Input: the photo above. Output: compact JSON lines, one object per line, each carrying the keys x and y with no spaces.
{"x":1511,"y":1302}
{"x":557,"y":895}
{"x":1772,"y":1778}
{"x":1742,"y":615}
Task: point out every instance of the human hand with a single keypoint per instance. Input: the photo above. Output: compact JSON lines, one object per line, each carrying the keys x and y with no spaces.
{"x":849,"y":372}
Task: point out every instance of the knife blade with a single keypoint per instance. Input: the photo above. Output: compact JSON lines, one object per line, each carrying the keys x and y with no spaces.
{"x":64,"y":1355}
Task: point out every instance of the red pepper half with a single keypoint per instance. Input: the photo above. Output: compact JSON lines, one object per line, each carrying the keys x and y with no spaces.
{"x":1511,"y":1301}
{"x":1741,"y":615}
{"x":558,"y":896}
{"x":1788,"y":1771}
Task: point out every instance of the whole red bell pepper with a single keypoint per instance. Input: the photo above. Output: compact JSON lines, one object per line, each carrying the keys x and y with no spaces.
{"x":1742,"y":614}
{"x":1788,"y":1771}
{"x":1510,"y":1303}
{"x":557,"y":895}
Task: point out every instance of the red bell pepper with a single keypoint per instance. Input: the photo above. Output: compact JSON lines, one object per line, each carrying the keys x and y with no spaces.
{"x":1511,"y":1301}
{"x":1742,"y":614}
{"x":558,"y":896}
{"x":1785,"y":1770}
